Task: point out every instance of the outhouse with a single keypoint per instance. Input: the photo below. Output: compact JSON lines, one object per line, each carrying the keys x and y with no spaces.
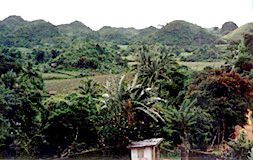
{"x":148,"y":149}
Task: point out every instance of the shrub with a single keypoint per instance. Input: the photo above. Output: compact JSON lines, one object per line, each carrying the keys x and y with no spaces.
{"x":240,"y":147}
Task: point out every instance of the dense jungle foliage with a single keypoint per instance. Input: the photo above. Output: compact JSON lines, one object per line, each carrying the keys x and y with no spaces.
{"x":190,"y":109}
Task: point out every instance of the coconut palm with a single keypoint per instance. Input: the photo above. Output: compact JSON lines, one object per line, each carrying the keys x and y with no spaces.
{"x":152,"y":67}
{"x":89,"y":87}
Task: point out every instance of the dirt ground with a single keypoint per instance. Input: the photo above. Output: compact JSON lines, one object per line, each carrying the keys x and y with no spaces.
{"x":248,"y":128}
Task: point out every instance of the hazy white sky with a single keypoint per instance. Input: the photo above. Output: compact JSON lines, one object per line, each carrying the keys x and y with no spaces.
{"x":130,"y":13}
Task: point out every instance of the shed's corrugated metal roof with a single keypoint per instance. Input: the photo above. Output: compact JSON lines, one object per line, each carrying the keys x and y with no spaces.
{"x":146,"y":143}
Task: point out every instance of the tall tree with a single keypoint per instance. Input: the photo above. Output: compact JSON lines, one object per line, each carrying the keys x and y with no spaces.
{"x":227,"y":96}
{"x":20,"y":105}
{"x":39,"y":55}
{"x":151,"y":68}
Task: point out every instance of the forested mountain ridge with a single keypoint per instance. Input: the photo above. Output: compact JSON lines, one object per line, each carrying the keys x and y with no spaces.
{"x":38,"y":29}
{"x":76,"y":25}
{"x":182,"y":33}
{"x":14,"y":21}
{"x":15,"y":31}
{"x":117,"y":35}
{"x":15,"y":27}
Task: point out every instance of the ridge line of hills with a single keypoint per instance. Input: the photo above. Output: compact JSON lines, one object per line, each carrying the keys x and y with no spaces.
{"x":15,"y":31}
{"x":18,"y":20}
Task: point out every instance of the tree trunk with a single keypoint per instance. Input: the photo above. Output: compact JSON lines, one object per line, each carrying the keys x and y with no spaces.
{"x":219,"y":132}
{"x":185,"y":145}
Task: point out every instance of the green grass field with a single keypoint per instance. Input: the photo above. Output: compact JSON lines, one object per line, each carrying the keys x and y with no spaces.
{"x":201,"y":65}
{"x":123,"y":46}
{"x":50,"y":76}
{"x":193,"y":65}
{"x":185,"y":54}
{"x":130,"y":58}
{"x":25,"y":50}
{"x":198,"y":66}
{"x":65,"y":86}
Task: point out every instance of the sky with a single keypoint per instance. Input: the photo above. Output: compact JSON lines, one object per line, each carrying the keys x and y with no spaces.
{"x":131,"y":13}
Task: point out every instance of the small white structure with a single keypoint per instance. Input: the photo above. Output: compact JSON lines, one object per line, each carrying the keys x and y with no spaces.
{"x":146,"y":150}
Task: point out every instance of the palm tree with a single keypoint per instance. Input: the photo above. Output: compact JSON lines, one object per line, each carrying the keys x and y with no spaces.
{"x":151,"y":68}
{"x":31,"y":74}
{"x":89,"y":87}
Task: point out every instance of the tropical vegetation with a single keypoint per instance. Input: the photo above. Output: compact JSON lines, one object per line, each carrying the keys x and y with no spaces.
{"x":119,"y":85}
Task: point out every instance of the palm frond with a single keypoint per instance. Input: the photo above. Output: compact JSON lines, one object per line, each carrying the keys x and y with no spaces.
{"x":134,"y":83}
{"x":147,"y":112}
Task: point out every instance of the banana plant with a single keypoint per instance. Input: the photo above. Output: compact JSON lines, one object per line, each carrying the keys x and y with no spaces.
{"x":188,"y":124}
{"x":127,"y":111}
{"x":131,"y":97}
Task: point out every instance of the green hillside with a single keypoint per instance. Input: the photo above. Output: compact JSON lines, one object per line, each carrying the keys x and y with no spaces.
{"x":237,"y":34}
{"x":143,"y":33}
{"x":117,"y":35}
{"x":77,"y":30}
{"x":4,"y":28}
{"x":147,"y":31}
{"x":91,"y":55}
{"x":36,"y":31}
{"x":15,"y":31}
{"x":76,"y":25}
{"x":182,"y":33}
{"x":14,"y":21}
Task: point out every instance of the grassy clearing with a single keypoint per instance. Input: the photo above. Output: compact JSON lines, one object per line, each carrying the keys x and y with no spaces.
{"x":25,"y":50}
{"x":71,"y":73}
{"x":78,"y":72}
{"x":66,"y":75}
{"x":123,"y":46}
{"x":193,"y":65}
{"x":222,"y":47}
{"x":185,"y":54}
{"x":50,"y":76}
{"x":201,"y":65}
{"x":130,"y":57}
{"x":130,"y":64}
{"x":65,"y":86}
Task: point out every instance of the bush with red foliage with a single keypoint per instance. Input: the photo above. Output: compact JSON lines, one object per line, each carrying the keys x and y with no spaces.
{"x":227,"y":96}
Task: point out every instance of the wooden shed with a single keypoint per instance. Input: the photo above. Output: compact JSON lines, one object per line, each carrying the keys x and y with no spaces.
{"x":148,"y":149}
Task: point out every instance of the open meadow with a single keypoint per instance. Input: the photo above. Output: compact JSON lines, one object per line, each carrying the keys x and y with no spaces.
{"x":198,"y":66}
{"x":53,"y":76}
{"x":65,"y":86}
